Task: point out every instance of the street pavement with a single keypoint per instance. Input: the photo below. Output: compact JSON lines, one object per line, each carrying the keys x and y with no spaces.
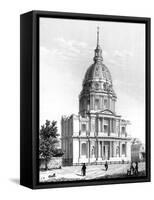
{"x":92,"y":172}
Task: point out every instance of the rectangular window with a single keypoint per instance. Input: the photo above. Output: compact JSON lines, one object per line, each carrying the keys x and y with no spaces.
{"x":105,"y":128}
{"x":105,"y":103}
{"x":83,"y":127}
{"x":97,"y":104}
{"x":123,"y":149}
{"x":123,"y":130}
{"x":101,"y":125}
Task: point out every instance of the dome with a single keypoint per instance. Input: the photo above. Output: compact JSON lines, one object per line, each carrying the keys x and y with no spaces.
{"x":97,"y":72}
{"x":98,"y":77}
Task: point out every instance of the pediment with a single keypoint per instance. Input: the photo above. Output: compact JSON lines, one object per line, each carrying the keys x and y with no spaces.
{"x":107,"y":112}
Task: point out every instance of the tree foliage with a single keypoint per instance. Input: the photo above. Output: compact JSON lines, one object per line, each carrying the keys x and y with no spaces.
{"x":136,"y":141}
{"x":48,"y":141}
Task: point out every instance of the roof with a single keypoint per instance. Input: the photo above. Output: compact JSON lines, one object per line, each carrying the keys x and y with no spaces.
{"x":97,"y":71}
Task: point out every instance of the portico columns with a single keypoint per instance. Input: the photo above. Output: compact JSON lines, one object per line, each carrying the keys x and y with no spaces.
{"x":110,"y":126}
{"x":119,"y":150}
{"x":98,"y":125}
{"x":120,"y":147}
{"x":99,"y":150}
{"x":114,"y":149}
{"x":102,"y":150}
{"x":111,"y":146}
{"x":79,"y":150}
{"x":89,"y":150}
{"x":96,"y":149}
{"x":125,"y":149}
{"x":102,"y":124}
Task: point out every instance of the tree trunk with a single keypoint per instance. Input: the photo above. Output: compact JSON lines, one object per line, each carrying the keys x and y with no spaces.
{"x":46,"y":164}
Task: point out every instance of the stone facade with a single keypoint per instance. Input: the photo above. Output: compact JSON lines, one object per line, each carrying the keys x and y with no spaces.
{"x":97,"y":133}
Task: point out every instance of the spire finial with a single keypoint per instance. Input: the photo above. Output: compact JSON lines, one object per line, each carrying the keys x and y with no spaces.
{"x":97,"y":35}
{"x":98,"y":51}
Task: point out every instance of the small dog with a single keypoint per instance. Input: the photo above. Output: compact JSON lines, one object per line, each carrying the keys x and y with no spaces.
{"x":53,"y":175}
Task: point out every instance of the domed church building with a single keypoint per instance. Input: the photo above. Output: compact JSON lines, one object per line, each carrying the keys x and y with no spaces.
{"x":97,"y":134}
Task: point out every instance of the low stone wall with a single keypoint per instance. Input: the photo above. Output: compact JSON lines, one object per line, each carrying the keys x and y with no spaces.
{"x":54,"y":163}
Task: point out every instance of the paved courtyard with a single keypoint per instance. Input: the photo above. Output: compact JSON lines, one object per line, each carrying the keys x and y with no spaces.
{"x":92,"y":172}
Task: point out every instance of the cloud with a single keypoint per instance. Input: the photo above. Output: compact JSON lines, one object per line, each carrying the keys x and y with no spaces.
{"x":70,"y":45}
{"x":64,"y":50}
{"x":122,"y":54}
{"x":51,"y":56}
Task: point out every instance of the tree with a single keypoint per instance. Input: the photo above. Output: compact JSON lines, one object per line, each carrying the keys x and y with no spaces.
{"x":48,"y":141}
{"x":135,"y":141}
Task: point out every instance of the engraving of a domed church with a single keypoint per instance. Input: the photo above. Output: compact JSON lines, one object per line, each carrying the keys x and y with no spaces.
{"x":97,"y":133}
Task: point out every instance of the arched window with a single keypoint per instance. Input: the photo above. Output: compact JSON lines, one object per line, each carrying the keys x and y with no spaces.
{"x":84,"y":149}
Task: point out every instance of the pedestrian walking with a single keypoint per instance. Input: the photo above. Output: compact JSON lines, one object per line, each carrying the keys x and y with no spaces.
{"x":106,"y":166}
{"x":136,"y":168}
{"x":132,"y":169}
{"x":83,"y":169}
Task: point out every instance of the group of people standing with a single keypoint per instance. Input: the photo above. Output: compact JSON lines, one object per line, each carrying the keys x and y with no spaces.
{"x":132,"y":171}
{"x":133,"y":168}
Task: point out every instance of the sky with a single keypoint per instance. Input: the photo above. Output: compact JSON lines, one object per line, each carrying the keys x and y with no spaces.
{"x":66,"y":52}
